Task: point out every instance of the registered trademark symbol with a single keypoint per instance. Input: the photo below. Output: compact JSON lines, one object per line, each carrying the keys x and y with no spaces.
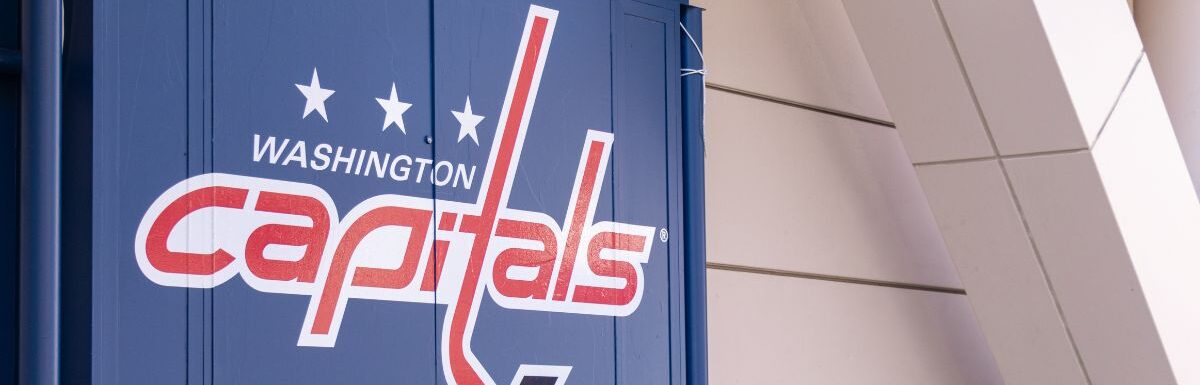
{"x":662,"y":234}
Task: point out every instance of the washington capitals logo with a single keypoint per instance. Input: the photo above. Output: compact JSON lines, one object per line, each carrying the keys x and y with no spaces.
{"x":209,"y":228}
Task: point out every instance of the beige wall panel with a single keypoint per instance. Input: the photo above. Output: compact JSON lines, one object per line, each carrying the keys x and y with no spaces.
{"x":1000,"y":270}
{"x":1046,"y":72}
{"x":803,"y":51}
{"x":782,"y":330}
{"x":1072,"y":223}
{"x":1152,"y":197}
{"x":797,"y":190}
{"x":1011,"y":67}
{"x":920,"y":78}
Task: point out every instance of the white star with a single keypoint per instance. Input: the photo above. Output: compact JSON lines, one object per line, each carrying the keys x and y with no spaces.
{"x":394,"y":110}
{"x":315,"y":97}
{"x":467,"y":121}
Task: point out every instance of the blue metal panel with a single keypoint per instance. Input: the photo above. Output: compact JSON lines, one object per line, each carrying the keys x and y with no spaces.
{"x":301,"y":192}
{"x":647,"y":182}
{"x":10,"y":125}
{"x":358,"y":50}
{"x":76,"y":358}
{"x":475,"y":43}
{"x":10,"y":103}
{"x":10,"y":61}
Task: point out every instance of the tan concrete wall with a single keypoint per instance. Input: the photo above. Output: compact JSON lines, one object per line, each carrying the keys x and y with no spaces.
{"x":826,"y":265}
{"x":1073,"y":234}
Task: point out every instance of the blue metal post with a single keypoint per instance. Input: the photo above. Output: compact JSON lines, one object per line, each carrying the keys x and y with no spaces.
{"x":41,"y":57}
{"x":695,"y":294}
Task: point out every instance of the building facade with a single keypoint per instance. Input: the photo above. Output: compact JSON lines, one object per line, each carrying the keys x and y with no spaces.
{"x":951,"y":192}
{"x":606,"y":191}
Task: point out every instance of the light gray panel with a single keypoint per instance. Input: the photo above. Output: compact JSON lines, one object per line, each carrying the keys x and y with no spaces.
{"x":804,"y":51}
{"x":803,"y":191}
{"x":767,"y":329}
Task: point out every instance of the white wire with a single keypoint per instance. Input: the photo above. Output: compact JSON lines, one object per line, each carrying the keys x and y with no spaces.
{"x":692,"y":71}
{"x":703,"y":95}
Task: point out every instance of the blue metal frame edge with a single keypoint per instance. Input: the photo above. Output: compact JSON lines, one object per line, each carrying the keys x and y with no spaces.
{"x":41,"y":79}
{"x":695,"y":286}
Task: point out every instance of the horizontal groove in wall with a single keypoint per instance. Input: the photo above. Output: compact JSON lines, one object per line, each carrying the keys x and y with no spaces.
{"x":1005,"y":157}
{"x":792,"y":103}
{"x":833,"y":278}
